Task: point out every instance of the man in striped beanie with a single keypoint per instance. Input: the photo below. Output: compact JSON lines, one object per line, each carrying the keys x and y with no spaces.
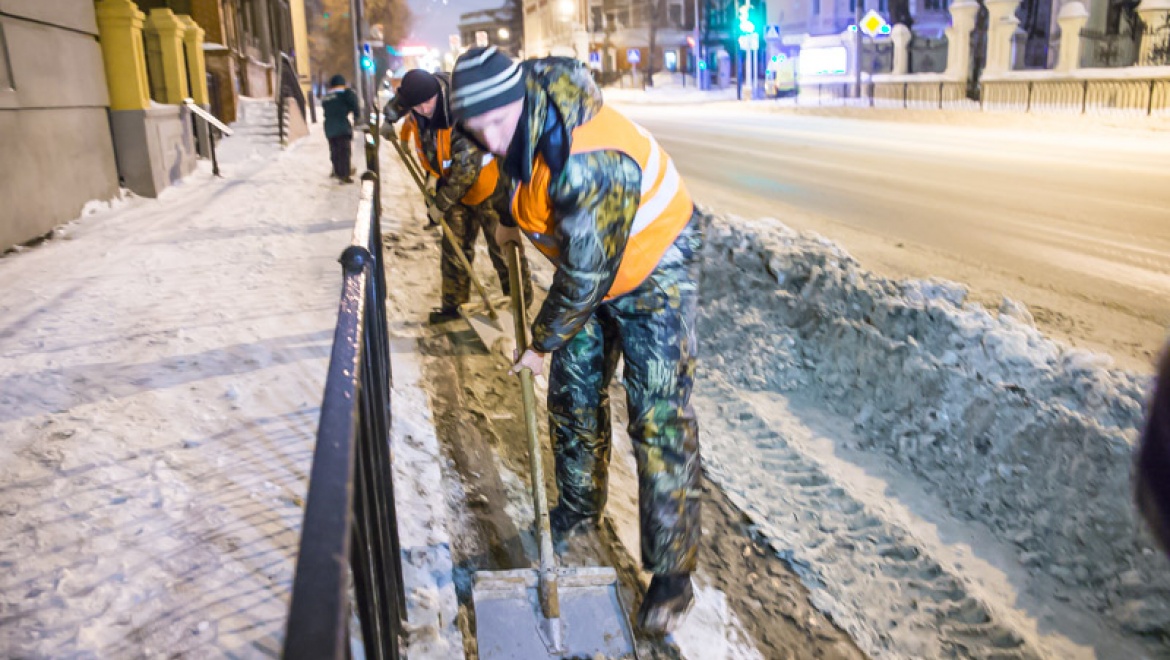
{"x":600,"y":198}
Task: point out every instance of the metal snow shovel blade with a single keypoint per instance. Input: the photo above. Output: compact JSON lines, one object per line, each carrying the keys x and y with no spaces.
{"x":490,"y":330}
{"x":547,"y":612}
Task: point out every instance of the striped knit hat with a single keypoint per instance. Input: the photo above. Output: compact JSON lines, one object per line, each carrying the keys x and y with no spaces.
{"x":484,"y":79}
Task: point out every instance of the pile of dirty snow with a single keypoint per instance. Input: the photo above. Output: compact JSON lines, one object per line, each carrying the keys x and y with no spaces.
{"x":1028,"y":436}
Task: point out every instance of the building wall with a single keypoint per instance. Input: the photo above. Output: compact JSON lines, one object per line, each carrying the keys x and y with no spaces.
{"x":56,"y":152}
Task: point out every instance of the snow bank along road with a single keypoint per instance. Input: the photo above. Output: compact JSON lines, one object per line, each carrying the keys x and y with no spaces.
{"x":1075,"y":224}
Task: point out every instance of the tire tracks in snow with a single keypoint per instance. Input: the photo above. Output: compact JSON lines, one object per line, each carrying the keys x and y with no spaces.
{"x":872,"y":576}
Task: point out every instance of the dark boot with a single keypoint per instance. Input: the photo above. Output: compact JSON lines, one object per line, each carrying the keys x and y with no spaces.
{"x":442,"y":315}
{"x":667,"y":601}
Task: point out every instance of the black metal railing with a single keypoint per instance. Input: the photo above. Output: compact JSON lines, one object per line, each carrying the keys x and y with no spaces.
{"x":349,"y":538}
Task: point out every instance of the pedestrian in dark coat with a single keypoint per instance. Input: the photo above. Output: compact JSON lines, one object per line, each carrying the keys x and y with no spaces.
{"x":1153,"y":465}
{"x":339,"y":103}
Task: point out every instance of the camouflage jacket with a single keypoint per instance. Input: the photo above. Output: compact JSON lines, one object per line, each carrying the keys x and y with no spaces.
{"x":467,"y":157}
{"x":594,"y":195}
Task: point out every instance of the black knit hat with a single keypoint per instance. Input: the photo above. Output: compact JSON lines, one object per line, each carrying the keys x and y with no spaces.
{"x":484,"y":79}
{"x":418,"y":86}
{"x":337,"y":80}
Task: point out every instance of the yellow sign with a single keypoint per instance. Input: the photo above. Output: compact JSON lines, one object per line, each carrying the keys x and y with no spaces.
{"x":873,"y":24}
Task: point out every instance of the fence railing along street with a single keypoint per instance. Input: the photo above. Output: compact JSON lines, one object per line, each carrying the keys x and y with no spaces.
{"x":349,"y":561}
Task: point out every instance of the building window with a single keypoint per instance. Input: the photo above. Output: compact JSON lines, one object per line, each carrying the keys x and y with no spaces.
{"x":676,"y":15}
{"x":816,"y":7}
{"x":933,"y":5}
{"x":595,"y":16}
{"x":884,"y":6}
{"x":5,"y":70}
{"x":852,"y":7}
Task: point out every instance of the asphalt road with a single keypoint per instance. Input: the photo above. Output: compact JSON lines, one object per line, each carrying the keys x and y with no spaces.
{"x":1075,"y":224}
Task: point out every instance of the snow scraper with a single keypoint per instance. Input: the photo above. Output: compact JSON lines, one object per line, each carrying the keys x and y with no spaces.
{"x":485,"y":320}
{"x":547,"y":612}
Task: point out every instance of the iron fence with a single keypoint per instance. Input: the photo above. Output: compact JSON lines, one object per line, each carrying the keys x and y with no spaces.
{"x":923,"y":95}
{"x":1101,"y":50}
{"x":349,"y":552}
{"x":1139,"y":96}
{"x":1136,"y":96}
{"x":928,"y":55}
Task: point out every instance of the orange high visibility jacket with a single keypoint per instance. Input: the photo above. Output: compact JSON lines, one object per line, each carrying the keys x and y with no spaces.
{"x":489,"y":175}
{"x":663,"y":212}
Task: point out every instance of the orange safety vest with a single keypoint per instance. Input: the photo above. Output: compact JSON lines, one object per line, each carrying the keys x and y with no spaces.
{"x":489,"y":174}
{"x":663,"y":211}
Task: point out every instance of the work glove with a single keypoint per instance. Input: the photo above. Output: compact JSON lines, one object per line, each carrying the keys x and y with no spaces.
{"x":392,"y":113}
{"x":505,"y":235}
{"x":433,"y":214}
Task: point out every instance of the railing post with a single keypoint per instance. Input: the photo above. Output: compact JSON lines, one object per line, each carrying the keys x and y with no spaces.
{"x":211,"y":136}
{"x":1084,"y":96}
{"x":1028,"y":103}
{"x":280,"y":99}
{"x":1150,"y":100}
{"x":940,"y":95}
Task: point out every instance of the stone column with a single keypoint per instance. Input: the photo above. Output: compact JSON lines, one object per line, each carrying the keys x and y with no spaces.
{"x":120,"y":28}
{"x":901,"y":36}
{"x":196,"y":63}
{"x":1001,"y":29}
{"x":1153,"y":13}
{"x":264,"y":27}
{"x":1072,"y":19}
{"x":170,"y":31}
{"x":963,"y":14}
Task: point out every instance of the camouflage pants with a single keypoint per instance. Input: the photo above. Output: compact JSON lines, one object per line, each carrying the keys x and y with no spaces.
{"x":653,"y":329}
{"x":466,"y":223}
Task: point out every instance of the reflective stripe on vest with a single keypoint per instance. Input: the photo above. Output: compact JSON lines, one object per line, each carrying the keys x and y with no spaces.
{"x":484,"y":184}
{"x":664,"y":209}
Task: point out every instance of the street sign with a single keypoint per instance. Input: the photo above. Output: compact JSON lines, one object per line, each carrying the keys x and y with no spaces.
{"x":772,"y":32}
{"x":749,"y":41}
{"x":633,"y":56}
{"x":594,"y":57}
{"x":873,"y":24}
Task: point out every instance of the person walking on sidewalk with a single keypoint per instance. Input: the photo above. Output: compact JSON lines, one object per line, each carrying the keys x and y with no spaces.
{"x":597,"y":195}
{"x":339,"y":103}
{"x":470,"y":194}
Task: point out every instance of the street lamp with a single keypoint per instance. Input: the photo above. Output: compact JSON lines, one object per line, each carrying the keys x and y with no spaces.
{"x":503,"y":34}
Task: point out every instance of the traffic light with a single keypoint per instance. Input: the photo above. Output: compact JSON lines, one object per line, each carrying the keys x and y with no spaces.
{"x":750,"y":17}
{"x":367,"y":60}
{"x":745,"y":18}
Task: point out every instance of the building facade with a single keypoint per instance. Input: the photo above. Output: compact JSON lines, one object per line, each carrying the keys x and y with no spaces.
{"x":243,"y":42}
{"x":502,"y":27}
{"x":56,"y":151}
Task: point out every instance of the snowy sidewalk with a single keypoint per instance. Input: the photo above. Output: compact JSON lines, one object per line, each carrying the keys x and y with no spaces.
{"x":161,"y":368}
